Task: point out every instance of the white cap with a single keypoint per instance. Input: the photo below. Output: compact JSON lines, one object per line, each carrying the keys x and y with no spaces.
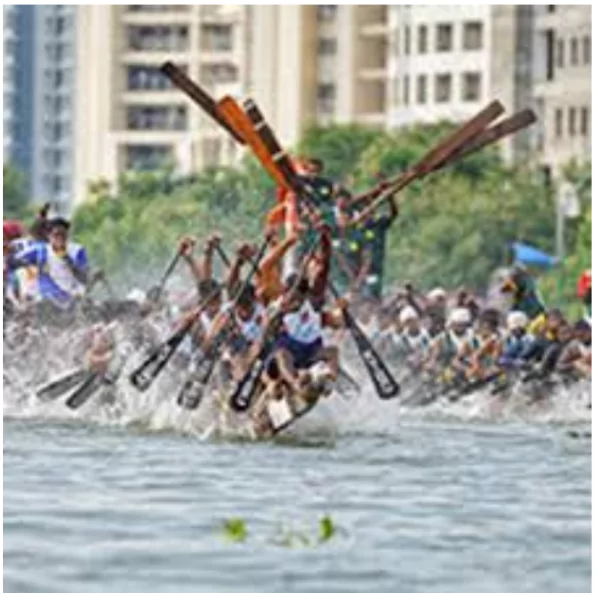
{"x":516,"y":320}
{"x":436,"y":293}
{"x":408,"y":314}
{"x":459,"y":316}
{"x":137,"y":295}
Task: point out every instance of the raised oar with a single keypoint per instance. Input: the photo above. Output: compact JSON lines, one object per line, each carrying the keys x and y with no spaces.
{"x":198,"y":95}
{"x":193,"y":388}
{"x":168,"y":272}
{"x":245,"y":389}
{"x":437,"y":155}
{"x":386,"y":385}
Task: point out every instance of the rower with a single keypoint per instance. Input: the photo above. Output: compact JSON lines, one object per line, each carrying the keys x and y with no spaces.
{"x":413,"y":341}
{"x":446,"y":346}
{"x":246,"y":317}
{"x":62,"y":266}
{"x":300,"y":345}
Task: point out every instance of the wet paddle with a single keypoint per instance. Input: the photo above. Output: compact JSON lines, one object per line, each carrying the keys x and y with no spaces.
{"x":245,"y":389}
{"x":193,"y":388}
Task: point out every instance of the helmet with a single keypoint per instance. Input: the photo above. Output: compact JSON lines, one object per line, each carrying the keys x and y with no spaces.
{"x":459,"y":316}
{"x":436,"y":293}
{"x":137,"y":295}
{"x":12,"y":229}
{"x":408,"y":314}
{"x":516,"y":320}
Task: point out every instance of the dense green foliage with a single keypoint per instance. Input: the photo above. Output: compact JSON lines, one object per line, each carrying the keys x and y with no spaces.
{"x":455,"y":226}
{"x":13,"y":192}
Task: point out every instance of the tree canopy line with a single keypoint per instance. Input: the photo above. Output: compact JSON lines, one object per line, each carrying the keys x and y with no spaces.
{"x":454,"y":229}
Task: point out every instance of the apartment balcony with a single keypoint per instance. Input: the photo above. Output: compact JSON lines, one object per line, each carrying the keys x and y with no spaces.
{"x":168,"y":17}
{"x":371,"y":119}
{"x":374,"y":30}
{"x":221,"y":14}
{"x":373,"y":73}
{"x":149,"y":97}
{"x":155,"y":58}
{"x":148,"y":137}
{"x":213,"y":57}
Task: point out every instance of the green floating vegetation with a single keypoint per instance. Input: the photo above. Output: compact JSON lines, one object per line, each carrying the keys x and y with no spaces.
{"x":236,"y":530}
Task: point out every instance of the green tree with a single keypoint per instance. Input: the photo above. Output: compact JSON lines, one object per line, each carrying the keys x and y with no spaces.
{"x":15,"y":198}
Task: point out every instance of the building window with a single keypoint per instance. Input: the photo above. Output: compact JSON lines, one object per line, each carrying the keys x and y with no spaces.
{"x":407,"y":47}
{"x":422,"y":91}
{"x":549,"y":54}
{"x":587,"y":49}
{"x":405,"y":90}
{"x":325,"y":97}
{"x":397,"y":91}
{"x":141,"y":157}
{"x":473,"y":36}
{"x":327,"y":46}
{"x":559,"y":123}
{"x":148,"y":78}
{"x":584,"y":121}
{"x":217,"y":38}
{"x":326,"y":12}
{"x":158,"y":38}
{"x":157,"y":118}
{"x":572,"y":121}
{"x":397,"y":43}
{"x":422,"y":39}
{"x":443,"y":88}
{"x":219,"y":74}
{"x":444,"y":37}
{"x":471,"y":86}
{"x":560,"y":53}
{"x":574,"y":51}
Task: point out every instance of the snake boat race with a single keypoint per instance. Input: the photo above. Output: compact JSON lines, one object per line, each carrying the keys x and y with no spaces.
{"x":297,"y":299}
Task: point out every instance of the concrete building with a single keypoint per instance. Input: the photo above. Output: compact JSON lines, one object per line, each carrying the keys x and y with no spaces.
{"x":328,"y":64}
{"x":129,"y":116}
{"x":38,"y":98}
{"x":9,"y":73}
{"x":563,"y":84}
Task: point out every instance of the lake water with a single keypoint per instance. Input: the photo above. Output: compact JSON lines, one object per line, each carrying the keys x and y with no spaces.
{"x":428,"y":506}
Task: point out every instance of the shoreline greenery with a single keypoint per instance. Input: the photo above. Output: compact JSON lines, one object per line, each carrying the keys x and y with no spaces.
{"x":455,"y":226}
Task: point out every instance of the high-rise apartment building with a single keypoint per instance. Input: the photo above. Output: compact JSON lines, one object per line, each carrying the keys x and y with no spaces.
{"x":9,"y":73}
{"x":88,"y":101}
{"x":39,"y":64}
{"x":319,"y":64}
{"x":128,"y":115}
{"x":563,"y":84}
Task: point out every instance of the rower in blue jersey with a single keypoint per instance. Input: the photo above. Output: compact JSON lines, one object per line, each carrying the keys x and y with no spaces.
{"x":63,"y":269}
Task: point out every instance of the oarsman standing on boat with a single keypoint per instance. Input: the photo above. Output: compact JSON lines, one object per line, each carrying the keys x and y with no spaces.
{"x":63,"y":268}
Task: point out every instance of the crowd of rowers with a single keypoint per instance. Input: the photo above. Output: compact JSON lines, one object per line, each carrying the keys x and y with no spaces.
{"x":443,"y":340}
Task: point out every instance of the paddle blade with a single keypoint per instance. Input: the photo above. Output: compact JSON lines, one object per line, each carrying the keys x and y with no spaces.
{"x":385,"y":384}
{"x":191,"y":394}
{"x":198,"y":95}
{"x":84,"y":392}
{"x":245,"y":389}
{"x":239,"y":121}
{"x":61,"y":385}
{"x":506,"y":127}
{"x":144,"y":376}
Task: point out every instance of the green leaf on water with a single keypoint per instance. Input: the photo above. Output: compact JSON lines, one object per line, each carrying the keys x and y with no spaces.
{"x":326,"y":529}
{"x":235,"y":530}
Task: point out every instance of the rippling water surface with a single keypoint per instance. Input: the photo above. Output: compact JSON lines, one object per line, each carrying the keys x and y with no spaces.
{"x":432,"y":507}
